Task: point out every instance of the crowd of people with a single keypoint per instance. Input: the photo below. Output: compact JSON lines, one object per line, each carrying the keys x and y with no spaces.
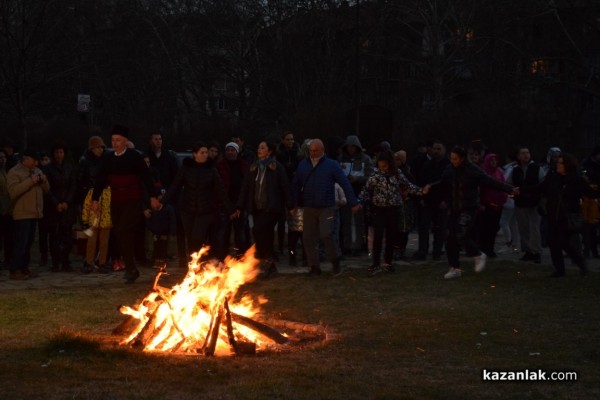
{"x":336,"y":200}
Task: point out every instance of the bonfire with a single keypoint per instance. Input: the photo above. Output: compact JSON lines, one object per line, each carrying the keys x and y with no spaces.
{"x":202,"y":315}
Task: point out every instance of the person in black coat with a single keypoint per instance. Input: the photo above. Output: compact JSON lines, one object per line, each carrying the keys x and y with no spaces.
{"x":265,"y":193}
{"x":563,"y":190}
{"x":59,"y":207}
{"x":201,"y":190}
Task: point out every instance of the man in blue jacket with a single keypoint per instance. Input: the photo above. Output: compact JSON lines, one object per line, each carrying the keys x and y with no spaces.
{"x":313,"y":190}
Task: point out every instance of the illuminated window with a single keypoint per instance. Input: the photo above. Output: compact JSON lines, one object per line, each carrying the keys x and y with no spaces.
{"x":469,"y":35}
{"x":538,"y":67}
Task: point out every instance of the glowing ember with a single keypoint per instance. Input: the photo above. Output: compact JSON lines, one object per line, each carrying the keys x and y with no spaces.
{"x":199,"y":314}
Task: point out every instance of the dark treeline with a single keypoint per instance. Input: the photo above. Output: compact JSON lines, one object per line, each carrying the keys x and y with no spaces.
{"x":504,"y":71}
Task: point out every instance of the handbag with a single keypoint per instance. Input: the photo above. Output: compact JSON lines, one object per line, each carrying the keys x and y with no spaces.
{"x":296,"y":220}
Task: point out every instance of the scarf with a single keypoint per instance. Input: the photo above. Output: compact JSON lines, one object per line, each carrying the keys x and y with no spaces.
{"x":260,"y":192}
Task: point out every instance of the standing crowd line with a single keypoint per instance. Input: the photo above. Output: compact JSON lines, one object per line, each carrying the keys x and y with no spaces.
{"x":335,"y":200}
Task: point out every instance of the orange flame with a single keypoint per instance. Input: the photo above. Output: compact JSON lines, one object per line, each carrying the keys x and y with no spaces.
{"x":180,"y":318}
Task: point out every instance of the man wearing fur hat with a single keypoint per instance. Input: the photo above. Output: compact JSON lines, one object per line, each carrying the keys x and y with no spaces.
{"x":26,"y":186}
{"x":125,"y":171}
{"x":357,"y":166}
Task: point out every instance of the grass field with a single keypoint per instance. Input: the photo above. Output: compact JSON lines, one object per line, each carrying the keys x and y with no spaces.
{"x":407,"y":335}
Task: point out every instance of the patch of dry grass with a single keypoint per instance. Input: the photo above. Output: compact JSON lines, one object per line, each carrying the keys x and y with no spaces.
{"x":404,"y":335}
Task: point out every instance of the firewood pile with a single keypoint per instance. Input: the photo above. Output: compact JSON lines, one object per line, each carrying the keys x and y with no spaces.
{"x":199,"y":315}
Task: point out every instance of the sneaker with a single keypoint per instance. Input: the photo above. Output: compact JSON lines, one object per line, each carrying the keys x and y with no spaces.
{"x":388,"y":267}
{"x":453,"y":273}
{"x":373,"y":270}
{"x":480,"y":262}
{"x":118,"y":265}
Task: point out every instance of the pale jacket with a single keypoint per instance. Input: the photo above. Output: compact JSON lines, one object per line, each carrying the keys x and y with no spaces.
{"x":27,"y":197}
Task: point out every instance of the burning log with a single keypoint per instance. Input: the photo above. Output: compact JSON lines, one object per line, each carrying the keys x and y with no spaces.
{"x":229,"y":325}
{"x":213,"y":334}
{"x":260,"y":328}
{"x":148,"y":331}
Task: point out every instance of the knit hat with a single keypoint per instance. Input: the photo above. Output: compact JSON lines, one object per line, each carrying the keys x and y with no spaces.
{"x":234,"y":145}
{"x":95,"y":141}
{"x":120,"y":130}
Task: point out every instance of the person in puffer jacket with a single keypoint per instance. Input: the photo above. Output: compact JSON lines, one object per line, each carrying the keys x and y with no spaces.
{"x":462,"y":180}
{"x":313,"y":189}
{"x":201,"y":190}
{"x":384,"y":192}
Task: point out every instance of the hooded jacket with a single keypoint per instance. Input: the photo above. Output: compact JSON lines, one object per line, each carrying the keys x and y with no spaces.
{"x":492,"y":198}
{"x":359,"y":165}
{"x":547,"y":165}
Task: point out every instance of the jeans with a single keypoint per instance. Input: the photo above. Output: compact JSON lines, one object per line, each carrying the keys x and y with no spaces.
{"x":318,"y":223}
{"x":353,"y":228}
{"x":385,"y":221}
{"x":431,"y":217}
{"x":24,"y":234}
{"x":509,"y":226}
{"x":529,"y":227}
{"x":460,"y":235}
